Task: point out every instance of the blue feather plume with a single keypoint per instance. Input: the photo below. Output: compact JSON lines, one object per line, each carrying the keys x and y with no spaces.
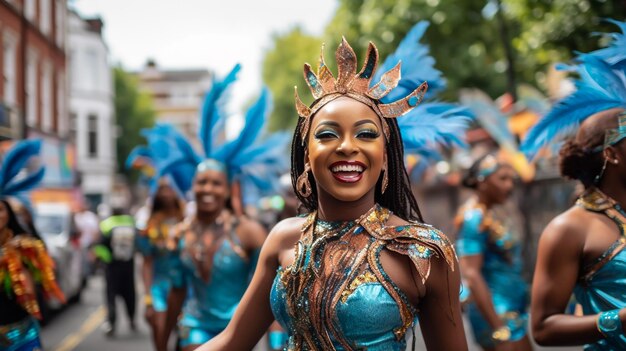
{"x":255,"y":119}
{"x":615,"y":53}
{"x":434,"y":123}
{"x":212,"y":107}
{"x":138,"y":152}
{"x":14,"y":161}
{"x":417,"y":66}
{"x":599,"y":88}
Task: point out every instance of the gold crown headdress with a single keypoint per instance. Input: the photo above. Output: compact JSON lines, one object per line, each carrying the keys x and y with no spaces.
{"x":326,"y":88}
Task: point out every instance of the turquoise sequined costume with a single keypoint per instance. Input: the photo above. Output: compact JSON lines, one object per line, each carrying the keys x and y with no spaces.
{"x":214,"y":291}
{"x":602,"y":285}
{"x":481,"y":234}
{"x":152,"y":242}
{"x":337,"y":279}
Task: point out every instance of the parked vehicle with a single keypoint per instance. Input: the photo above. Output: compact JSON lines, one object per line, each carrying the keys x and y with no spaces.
{"x":55,"y":223}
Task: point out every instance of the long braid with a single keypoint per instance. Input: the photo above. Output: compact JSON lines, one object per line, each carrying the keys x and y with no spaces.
{"x":398,"y":197}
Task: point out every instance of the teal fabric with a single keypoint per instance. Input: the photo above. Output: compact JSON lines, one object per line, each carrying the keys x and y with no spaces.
{"x":210,"y":305}
{"x":195,"y":336}
{"x":363,"y":326}
{"x":502,"y":271}
{"x":23,"y":336}
{"x":605,"y":290}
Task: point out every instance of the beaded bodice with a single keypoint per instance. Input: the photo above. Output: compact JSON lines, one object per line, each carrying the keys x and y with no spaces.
{"x":337,"y":277}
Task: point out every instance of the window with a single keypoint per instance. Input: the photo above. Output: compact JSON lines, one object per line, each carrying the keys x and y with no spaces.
{"x":72,"y":127}
{"x":91,"y":64}
{"x":29,"y":9}
{"x":45,"y":16}
{"x":46,"y":97}
{"x":92,"y":136}
{"x":31,"y":88}
{"x":8,"y":73}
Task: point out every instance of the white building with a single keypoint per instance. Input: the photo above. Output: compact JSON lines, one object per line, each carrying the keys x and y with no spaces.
{"x":92,"y":111}
{"x":177,"y":95}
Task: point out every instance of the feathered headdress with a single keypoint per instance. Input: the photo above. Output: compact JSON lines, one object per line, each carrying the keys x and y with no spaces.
{"x":11,"y":183}
{"x":326,"y":88}
{"x":242,"y":159}
{"x":432,"y":123}
{"x":600,"y":87}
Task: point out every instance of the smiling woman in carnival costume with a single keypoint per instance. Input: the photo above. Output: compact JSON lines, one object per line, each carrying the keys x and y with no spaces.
{"x":583,"y":249}
{"x":362,"y":250}
{"x":216,"y":249}
{"x":24,"y":262}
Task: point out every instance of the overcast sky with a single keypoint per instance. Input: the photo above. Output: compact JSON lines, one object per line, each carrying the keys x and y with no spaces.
{"x":203,"y":33}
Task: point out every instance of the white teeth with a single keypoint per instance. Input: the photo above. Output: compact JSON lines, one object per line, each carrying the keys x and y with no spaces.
{"x":207,"y":198}
{"x":347,"y":168}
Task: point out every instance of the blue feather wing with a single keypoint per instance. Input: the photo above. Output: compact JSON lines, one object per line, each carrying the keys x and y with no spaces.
{"x":490,"y":118}
{"x":212,"y":109}
{"x":434,"y":123}
{"x":417,"y":66}
{"x":599,"y":88}
{"x":255,"y":119}
{"x":16,"y":158}
{"x":136,"y":154}
{"x":27,"y":183}
{"x":615,"y":53}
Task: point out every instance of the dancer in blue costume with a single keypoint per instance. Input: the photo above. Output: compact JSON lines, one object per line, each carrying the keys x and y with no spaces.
{"x":24,"y":261}
{"x":165,"y":212}
{"x":583,"y":249}
{"x":490,"y":259}
{"x":357,"y":271}
{"x":217,"y":248}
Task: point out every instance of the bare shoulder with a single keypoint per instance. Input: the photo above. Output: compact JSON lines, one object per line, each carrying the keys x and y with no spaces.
{"x":251,"y":232}
{"x":286,"y":233}
{"x":569,"y":226}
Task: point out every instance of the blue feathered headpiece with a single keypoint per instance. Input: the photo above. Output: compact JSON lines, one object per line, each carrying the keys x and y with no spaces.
{"x":600,"y":87}
{"x":431,"y":123}
{"x":11,"y":183}
{"x":615,"y":53}
{"x":244,"y":158}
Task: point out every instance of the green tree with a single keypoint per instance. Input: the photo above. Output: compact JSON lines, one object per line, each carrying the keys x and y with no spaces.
{"x":465,"y":36}
{"x":133,"y":111}
{"x":282,"y":69}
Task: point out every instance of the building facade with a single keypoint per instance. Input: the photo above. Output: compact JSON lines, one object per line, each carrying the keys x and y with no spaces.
{"x":92,"y":120}
{"x":33,"y":92}
{"x":176,"y":94}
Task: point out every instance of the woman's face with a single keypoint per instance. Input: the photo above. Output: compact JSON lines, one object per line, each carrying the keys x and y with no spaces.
{"x":346,"y":149}
{"x":210,"y":188}
{"x":499,"y":185}
{"x":167,"y":195}
{"x":4,"y":216}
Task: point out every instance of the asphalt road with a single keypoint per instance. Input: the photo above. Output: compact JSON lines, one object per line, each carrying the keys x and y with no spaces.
{"x":79,"y":327}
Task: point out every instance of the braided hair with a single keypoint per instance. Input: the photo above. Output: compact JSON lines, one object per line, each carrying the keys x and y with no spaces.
{"x":398,"y":197}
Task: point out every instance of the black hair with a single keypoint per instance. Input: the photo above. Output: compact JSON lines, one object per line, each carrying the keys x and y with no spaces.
{"x":13,"y":224}
{"x":470,"y":180}
{"x":158,"y":204}
{"x":398,"y":197}
{"x":577,"y":163}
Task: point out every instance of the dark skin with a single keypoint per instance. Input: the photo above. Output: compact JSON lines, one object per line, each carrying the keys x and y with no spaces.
{"x":211,"y":192}
{"x":167,"y":197}
{"x":345,"y":129}
{"x":572,"y":240}
{"x":494,"y":190}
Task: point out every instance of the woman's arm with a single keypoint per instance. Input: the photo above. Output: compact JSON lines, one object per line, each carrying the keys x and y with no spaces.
{"x":440,"y":309}
{"x":558,"y":262}
{"x":481,"y":294}
{"x":253,"y":315}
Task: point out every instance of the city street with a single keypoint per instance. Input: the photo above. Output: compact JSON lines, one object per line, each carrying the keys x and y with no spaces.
{"x":79,"y":327}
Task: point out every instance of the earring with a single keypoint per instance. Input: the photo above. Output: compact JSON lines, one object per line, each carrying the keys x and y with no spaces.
{"x":596,"y":180}
{"x":385,"y":180}
{"x":616,"y":161}
{"x":303,"y":186}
